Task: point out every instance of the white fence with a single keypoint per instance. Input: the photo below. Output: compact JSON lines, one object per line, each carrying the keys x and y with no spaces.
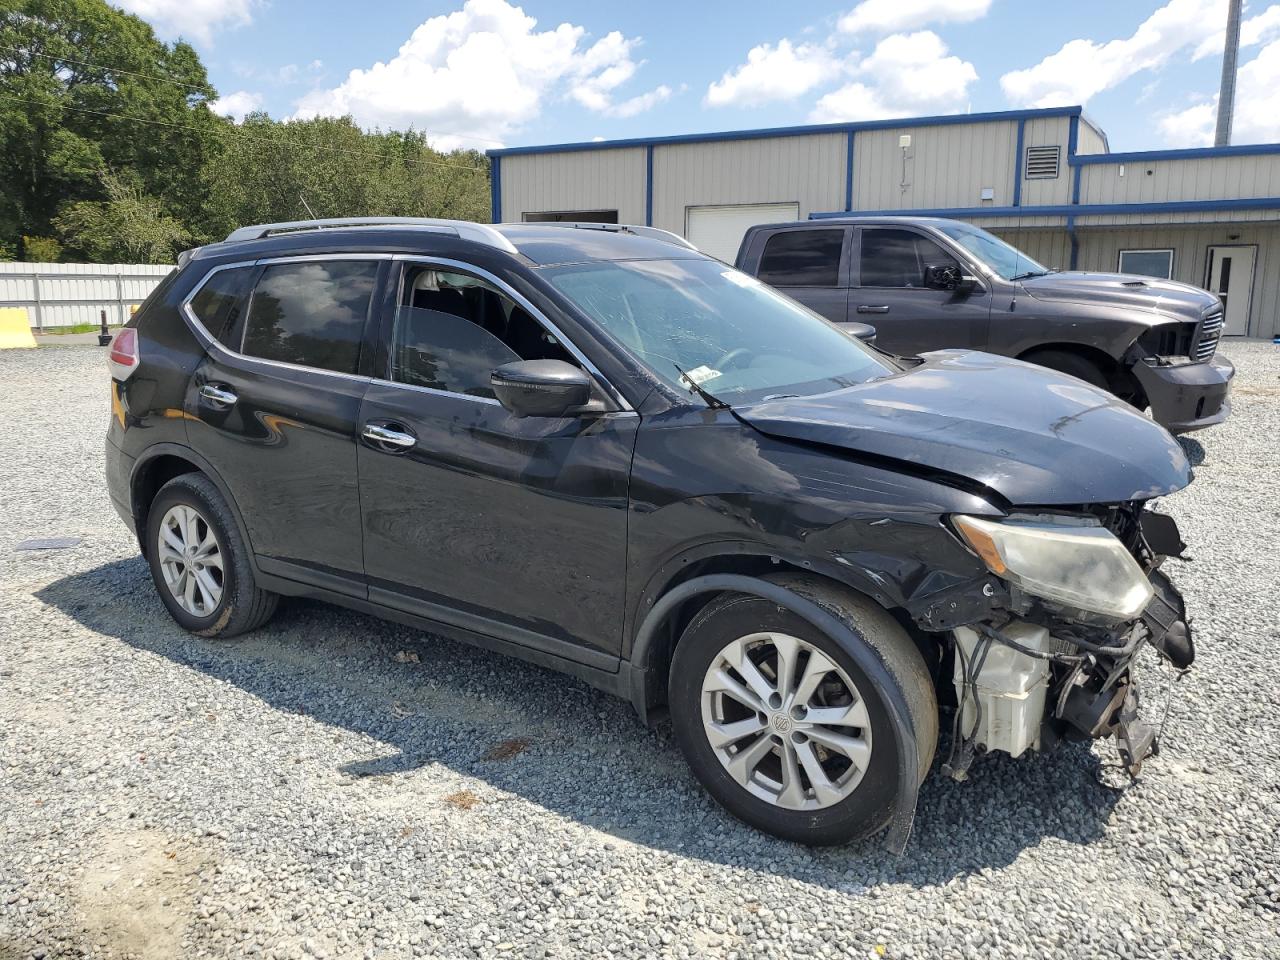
{"x":64,"y":294}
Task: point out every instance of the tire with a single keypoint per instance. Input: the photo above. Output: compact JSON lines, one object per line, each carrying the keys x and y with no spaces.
{"x":224,"y":600}
{"x":1071,"y":364}
{"x":865,"y":793}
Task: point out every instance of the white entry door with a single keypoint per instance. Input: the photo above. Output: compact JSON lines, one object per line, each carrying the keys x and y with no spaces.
{"x":717,"y":231}
{"x":1231,"y":278}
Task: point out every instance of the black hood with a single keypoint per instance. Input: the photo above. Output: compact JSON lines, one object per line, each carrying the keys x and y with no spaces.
{"x":1034,"y":436}
{"x":1147,"y":294}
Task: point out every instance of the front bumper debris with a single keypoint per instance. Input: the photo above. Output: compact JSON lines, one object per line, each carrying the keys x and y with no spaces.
{"x":1187,"y":396}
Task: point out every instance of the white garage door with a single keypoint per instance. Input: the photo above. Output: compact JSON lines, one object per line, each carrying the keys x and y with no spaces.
{"x":717,"y":231}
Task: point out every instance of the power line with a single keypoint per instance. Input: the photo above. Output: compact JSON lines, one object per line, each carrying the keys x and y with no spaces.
{"x":244,"y":136}
{"x":179,"y":83}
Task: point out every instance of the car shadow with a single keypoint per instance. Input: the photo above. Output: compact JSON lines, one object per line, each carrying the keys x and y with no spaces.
{"x":538,"y":734}
{"x":1194,"y":450}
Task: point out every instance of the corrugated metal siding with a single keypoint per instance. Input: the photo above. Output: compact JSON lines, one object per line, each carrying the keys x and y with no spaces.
{"x":1207,"y":178}
{"x":1049,"y":247}
{"x":1048,"y":132}
{"x":1100,"y":250}
{"x":73,"y":293}
{"x":947,"y":166}
{"x":1089,"y":140}
{"x":807,"y":170}
{"x":590,"y":180}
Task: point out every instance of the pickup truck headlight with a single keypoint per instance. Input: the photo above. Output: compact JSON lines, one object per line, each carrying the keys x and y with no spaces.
{"x":1084,"y":567}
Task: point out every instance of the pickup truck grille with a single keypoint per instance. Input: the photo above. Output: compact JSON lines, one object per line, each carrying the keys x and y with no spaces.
{"x":1210,"y":332}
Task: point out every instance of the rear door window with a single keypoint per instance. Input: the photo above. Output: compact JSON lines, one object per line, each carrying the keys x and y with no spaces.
{"x":219,"y":304}
{"x":311,"y":313}
{"x":897,"y":258}
{"x":802,"y":258}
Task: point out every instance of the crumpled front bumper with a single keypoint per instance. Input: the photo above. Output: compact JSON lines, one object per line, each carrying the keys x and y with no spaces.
{"x":1188,"y":396}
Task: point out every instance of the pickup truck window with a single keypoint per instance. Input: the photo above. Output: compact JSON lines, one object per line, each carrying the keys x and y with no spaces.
{"x":802,"y":258}
{"x":1002,"y":259}
{"x":897,"y":258}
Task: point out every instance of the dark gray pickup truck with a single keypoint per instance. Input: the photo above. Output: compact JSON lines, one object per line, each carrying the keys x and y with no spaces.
{"x":928,"y":284}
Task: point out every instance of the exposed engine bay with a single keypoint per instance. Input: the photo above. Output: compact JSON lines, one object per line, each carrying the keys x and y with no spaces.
{"x":1042,"y":671}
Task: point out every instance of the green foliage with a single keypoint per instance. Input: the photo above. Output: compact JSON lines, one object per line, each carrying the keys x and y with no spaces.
{"x":85,"y":88}
{"x":8,"y":252}
{"x":128,"y":227}
{"x":41,"y":249}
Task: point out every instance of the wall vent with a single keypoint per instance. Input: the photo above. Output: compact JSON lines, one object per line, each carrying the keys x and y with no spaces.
{"x":1042,"y":162}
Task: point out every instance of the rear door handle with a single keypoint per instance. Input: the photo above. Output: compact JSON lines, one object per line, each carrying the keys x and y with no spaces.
{"x":388,"y":437}
{"x":218,"y":396}
{"x":863,"y":308}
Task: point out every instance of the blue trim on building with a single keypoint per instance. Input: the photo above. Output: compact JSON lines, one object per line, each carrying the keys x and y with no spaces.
{"x":648,"y":186}
{"x":848,"y":174}
{"x":1017,"y":162}
{"x":1073,"y":141}
{"x":495,"y":189}
{"x":1067,"y":210}
{"x":772,"y":132}
{"x":1194,"y":153}
{"x":1075,"y":243}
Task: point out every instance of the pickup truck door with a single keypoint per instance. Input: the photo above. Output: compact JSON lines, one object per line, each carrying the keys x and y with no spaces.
{"x":888,"y":292}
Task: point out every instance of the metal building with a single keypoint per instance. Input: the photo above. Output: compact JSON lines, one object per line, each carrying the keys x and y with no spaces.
{"x":1043,"y":179}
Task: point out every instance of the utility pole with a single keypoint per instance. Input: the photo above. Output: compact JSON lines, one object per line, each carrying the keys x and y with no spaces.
{"x":1227,"y":95}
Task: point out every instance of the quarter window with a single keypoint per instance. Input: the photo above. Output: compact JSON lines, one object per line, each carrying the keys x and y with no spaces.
{"x":802,"y":258}
{"x":219,"y":304}
{"x":453,"y":329}
{"x":897,"y":258}
{"x":311,"y":313}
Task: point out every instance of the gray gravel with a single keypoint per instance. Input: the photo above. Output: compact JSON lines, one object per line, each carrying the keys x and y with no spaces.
{"x":335,"y":786}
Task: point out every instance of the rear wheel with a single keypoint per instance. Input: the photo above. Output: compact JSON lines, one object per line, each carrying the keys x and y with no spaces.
{"x":781,"y":725}
{"x":200,"y":563}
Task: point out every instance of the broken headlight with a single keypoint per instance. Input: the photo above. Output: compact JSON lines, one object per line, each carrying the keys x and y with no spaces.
{"x":1084,"y":567}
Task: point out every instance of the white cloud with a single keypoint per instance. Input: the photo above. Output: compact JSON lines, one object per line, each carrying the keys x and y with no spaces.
{"x":236,"y":105}
{"x":1253,"y":31}
{"x":480,"y":72}
{"x":1257,"y":108}
{"x":773,"y":73}
{"x":887,"y":16}
{"x":908,"y":74}
{"x":196,"y":20}
{"x":1082,"y":68}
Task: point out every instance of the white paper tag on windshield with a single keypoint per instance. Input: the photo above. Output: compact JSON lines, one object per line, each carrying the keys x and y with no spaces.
{"x":700,"y":375}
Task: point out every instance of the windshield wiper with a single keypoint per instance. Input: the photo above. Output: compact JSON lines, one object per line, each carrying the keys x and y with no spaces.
{"x":711,"y":401}
{"x":1029,"y":274}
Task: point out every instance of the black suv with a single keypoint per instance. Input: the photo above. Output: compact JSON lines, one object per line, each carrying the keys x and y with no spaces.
{"x":595,"y":448}
{"x":928,"y":284}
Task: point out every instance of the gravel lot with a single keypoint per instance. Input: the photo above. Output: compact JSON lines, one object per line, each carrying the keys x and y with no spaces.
{"x":335,"y":786}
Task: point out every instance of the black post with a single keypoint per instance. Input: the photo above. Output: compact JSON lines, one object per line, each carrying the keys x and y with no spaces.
{"x":104,"y":338}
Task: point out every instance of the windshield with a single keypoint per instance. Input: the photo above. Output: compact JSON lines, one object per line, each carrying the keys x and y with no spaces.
{"x":736,"y":338}
{"x":1003,"y":260}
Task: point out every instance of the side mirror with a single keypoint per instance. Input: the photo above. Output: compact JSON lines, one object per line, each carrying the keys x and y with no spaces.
{"x":540,"y":388}
{"x":942,"y":276}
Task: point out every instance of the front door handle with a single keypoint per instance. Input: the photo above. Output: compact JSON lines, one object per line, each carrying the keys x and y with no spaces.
{"x":863,"y":308}
{"x":218,"y":396}
{"x":386,"y":436}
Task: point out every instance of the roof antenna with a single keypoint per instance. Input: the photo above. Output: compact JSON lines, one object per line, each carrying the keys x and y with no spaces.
{"x":308,"y":207}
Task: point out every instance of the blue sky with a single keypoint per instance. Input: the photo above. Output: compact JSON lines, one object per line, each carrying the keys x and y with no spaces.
{"x":485,"y":73}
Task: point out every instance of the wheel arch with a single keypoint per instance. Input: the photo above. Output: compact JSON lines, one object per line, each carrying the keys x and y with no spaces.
{"x":160,"y":464}
{"x":1120,"y":379}
{"x":694,"y":592}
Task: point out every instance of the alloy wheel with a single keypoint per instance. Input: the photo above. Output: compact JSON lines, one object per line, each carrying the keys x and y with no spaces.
{"x":191,"y":560}
{"x":786,"y":721}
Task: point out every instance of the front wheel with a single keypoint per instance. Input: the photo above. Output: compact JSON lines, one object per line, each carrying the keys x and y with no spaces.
{"x":781,"y":725}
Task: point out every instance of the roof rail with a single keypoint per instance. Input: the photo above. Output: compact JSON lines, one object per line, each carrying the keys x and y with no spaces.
{"x":653,"y":233}
{"x":463,"y":229}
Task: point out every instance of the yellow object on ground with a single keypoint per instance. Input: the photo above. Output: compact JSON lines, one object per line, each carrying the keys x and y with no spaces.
{"x":15,"y":328}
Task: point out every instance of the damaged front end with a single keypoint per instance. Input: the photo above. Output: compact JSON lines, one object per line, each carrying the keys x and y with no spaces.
{"x":1076,"y":598}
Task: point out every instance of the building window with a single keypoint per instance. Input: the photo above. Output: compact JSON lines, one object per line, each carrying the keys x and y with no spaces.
{"x":802,"y":258}
{"x":1042,"y":163}
{"x":1147,"y":263}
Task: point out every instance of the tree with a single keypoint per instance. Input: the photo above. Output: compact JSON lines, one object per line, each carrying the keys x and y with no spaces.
{"x":41,"y":249}
{"x":83,"y":86}
{"x":128,"y":227}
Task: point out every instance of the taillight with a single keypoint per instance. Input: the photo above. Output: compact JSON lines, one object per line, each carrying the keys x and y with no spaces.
{"x":123,"y":358}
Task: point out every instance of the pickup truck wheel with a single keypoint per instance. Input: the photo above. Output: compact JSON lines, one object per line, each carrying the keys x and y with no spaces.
{"x":781,"y":726}
{"x":1072,"y":364}
{"x":200,"y":563}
